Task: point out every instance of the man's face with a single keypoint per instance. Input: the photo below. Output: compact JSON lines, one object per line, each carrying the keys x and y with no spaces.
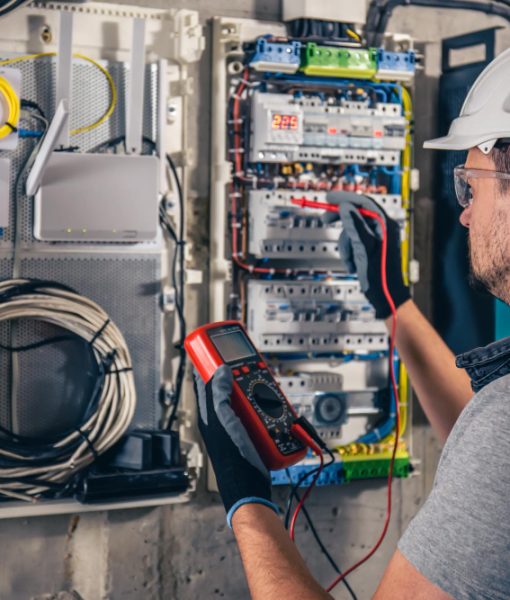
{"x":488,"y":221}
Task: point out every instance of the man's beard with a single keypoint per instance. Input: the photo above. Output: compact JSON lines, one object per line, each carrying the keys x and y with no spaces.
{"x":486,"y":283}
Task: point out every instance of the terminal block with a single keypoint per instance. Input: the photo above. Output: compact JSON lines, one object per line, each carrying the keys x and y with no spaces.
{"x":276,"y":56}
{"x":287,"y":128}
{"x":313,"y":316}
{"x":330,"y":61}
{"x":396,"y":66}
{"x":361,"y":466}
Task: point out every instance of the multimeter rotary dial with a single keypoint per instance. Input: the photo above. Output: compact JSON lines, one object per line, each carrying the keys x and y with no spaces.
{"x":267,"y":398}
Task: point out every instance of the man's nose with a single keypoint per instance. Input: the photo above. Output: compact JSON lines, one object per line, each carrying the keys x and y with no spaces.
{"x":465,"y":216}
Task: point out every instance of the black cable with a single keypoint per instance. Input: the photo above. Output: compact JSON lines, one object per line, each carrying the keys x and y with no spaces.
{"x":8,"y":7}
{"x":320,"y":543}
{"x":379,"y":15}
{"x":31,"y":105}
{"x":178,"y":287}
{"x":323,"y":548}
{"x":121,"y":139}
{"x":298,"y":483}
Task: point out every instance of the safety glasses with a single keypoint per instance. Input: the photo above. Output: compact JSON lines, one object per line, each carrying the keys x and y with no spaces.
{"x":462,"y":177}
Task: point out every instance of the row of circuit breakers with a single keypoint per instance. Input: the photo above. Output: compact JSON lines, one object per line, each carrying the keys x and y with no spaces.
{"x":312,"y":119}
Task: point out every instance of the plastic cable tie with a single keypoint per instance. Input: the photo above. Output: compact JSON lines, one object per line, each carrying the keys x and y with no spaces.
{"x":95,"y":454}
{"x":99,"y":332}
{"x":11,"y":126}
{"x":117,"y":371}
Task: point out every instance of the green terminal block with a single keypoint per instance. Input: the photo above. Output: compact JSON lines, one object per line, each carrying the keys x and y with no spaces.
{"x":357,"y":468}
{"x":327,"y":61}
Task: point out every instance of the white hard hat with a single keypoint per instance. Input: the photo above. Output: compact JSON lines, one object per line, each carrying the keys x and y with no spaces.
{"x":485,"y":115}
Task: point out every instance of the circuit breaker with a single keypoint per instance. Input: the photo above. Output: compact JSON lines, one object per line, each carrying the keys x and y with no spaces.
{"x":295,"y":119}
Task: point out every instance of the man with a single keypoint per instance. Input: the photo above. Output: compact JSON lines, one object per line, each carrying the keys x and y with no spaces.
{"x":459,"y":543}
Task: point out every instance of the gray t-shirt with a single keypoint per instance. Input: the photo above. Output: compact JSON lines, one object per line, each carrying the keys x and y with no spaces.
{"x":460,"y":539}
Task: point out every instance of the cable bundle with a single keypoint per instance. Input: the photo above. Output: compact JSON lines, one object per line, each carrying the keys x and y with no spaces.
{"x":35,"y":466}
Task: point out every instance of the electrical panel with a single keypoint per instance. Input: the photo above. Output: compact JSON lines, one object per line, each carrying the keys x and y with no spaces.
{"x":296,"y":118}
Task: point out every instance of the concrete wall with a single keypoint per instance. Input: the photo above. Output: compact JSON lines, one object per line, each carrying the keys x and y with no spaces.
{"x":186,"y":552}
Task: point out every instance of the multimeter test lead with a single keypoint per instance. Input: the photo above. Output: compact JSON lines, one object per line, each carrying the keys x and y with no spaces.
{"x":305,"y":203}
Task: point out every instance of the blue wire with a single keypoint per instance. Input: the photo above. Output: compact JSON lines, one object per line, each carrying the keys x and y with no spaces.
{"x":28,"y":133}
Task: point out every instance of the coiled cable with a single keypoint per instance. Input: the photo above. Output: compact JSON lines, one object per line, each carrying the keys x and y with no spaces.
{"x":45,"y":465}
{"x":12,"y":104}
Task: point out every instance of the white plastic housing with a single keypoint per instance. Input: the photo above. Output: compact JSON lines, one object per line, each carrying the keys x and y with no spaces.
{"x":343,"y":11}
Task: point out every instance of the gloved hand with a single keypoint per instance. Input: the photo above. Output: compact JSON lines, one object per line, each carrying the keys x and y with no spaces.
{"x":241,"y":475}
{"x":361,"y":247}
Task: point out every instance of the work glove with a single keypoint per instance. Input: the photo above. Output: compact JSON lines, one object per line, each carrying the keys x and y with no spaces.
{"x":241,"y":475}
{"x":360,"y":247}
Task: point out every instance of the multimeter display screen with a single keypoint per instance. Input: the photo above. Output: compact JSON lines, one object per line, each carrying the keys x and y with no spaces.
{"x":232,"y":345}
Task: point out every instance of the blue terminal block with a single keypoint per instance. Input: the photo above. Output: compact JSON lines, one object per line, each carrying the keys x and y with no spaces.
{"x":395,"y":66}
{"x":279,"y":57}
{"x":332,"y":475}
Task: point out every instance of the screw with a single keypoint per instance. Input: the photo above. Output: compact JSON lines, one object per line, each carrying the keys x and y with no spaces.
{"x":46,"y":35}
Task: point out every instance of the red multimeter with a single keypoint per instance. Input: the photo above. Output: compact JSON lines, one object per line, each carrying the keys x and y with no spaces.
{"x":256,"y":397}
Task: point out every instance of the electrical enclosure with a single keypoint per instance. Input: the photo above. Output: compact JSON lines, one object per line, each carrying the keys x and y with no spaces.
{"x":292,"y":121}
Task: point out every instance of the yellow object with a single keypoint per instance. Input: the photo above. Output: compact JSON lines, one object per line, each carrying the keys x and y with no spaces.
{"x":406,"y":200}
{"x":353,"y":35}
{"x":111,"y":83}
{"x":13,"y":107}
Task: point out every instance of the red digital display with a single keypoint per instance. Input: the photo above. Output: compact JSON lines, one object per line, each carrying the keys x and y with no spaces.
{"x":288,"y":122}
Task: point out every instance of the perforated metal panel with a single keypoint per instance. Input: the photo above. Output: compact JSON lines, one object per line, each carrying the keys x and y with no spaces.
{"x":54,"y":381}
{"x":89,"y":99}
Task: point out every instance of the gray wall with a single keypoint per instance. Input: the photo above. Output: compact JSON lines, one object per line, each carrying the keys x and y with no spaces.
{"x":186,"y":552}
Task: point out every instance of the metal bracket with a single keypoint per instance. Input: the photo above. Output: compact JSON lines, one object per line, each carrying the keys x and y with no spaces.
{"x":64,"y":68}
{"x":134,"y":109}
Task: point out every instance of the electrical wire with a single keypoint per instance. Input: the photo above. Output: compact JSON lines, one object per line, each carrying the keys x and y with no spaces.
{"x":379,"y":15}
{"x":387,"y":295}
{"x":7,"y":6}
{"x":299,"y":433}
{"x":12,"y":103}
{"x":111,"y":84}
{"x":34,"y":466}
{"x":320,"y":543}
{"x":179,"y":287}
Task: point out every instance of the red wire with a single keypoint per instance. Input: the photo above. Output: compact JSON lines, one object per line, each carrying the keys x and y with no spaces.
{"x":301,"y":434}
{"x":380,"y":220}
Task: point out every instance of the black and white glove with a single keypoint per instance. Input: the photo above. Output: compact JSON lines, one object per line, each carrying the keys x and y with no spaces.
{"x":361,"y":248}
{"x":241,"y":475}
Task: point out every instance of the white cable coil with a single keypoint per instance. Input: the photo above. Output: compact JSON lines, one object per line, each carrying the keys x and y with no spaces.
{"x":44,"y":301}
